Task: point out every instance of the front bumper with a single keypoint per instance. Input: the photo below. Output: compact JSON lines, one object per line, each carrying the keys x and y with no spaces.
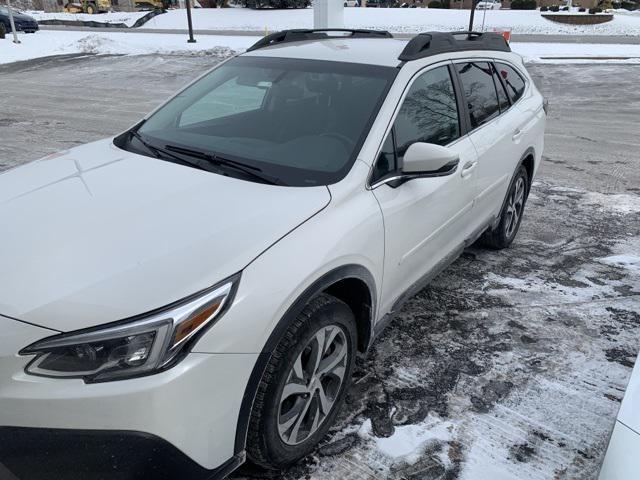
{"x":193,"y":407}
{"x":43,"y":454}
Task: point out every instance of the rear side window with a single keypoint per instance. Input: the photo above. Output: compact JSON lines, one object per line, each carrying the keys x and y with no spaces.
{"x":512,"y":80}
{"x":502,"y":95}
{"x":480,"y":91}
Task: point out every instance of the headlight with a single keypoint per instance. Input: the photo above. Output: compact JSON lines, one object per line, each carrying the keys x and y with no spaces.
{"x":131,"y":347}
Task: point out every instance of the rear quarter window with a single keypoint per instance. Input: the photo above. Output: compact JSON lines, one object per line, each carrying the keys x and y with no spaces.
{"x":512,"y":80}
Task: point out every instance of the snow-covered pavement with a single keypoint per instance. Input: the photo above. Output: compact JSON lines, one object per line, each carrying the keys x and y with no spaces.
{"x":48,"y":43}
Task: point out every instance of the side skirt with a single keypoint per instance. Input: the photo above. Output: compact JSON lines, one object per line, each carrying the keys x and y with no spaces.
{"x":427,"y":278}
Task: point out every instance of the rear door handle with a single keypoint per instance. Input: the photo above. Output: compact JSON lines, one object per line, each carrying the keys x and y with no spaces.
{"x":468,"y":168}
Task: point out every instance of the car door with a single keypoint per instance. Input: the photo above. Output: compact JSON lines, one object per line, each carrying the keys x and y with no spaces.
{"x":494,"y":124}
{"x":425,"y":219}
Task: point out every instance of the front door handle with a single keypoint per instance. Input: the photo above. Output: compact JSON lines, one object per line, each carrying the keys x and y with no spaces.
{"x":517,"y":134}
{"x":468,"y":168}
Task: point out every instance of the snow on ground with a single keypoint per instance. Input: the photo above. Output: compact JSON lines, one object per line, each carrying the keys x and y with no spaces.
{"x":61,"y":42}
{"x":128,"y":18}
{"x":585,"y":52}
{"x":47,"y":43}
{"x":392,"y":19}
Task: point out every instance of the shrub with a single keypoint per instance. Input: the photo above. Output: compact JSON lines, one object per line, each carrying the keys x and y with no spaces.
{"x":554,"y":8}
{"x":2,"y":31}
{"x":544,"y":9}
{"x":582,"y":9}
{"x":434,"y":4}
{"x":593,"y":11}
{"x":524,"y":5}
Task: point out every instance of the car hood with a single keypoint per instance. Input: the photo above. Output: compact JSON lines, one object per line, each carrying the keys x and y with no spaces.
{"x":97,"y":234}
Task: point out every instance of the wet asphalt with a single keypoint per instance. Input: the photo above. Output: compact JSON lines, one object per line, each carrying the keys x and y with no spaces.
{"x":510,"y":364}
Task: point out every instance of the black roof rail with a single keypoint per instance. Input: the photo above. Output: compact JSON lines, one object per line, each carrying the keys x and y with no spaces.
{"x":432,"y":43}
{"x":299,"y":35}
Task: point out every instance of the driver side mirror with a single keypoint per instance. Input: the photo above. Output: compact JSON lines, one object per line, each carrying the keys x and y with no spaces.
{"x":429,"y":160}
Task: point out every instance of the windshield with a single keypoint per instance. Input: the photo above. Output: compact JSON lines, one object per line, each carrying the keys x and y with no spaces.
{"x":300,"y":121}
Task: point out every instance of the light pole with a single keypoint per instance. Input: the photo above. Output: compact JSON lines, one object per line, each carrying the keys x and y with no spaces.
{"x":13,"y":25}
{"x":189,"y":22}
{"x":474,"y":4}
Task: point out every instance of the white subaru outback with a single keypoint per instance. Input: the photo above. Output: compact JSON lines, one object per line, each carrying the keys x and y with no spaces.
{"x":194,"y":292}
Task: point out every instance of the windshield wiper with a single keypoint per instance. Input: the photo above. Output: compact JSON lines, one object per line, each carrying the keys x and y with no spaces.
{"x":162,"y":153}
{"x":219,"y":160}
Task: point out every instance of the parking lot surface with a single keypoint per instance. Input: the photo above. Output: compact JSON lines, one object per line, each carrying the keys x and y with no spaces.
{"x":510,"y":364}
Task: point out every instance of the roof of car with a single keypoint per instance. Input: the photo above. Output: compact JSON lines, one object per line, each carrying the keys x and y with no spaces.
{"x":372,"y":47}
{"x":370,"y":51}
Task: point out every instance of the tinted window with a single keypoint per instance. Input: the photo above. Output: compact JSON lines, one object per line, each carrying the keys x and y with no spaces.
{"x":302,"y":121}
{"x":386,"y":160}
{"x":512,"y":81}
{"x":429,"y":113}
{"x":503,"y":101}
{"x":480,"y":91}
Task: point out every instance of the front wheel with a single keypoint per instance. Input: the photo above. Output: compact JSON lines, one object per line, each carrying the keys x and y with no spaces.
{"x":304,"y":384}
{"x":511,"y":215}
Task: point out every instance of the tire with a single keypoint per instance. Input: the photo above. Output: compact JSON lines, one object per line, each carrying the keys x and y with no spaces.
{"x":282,"y":426}
{"x":503,"y":235}
{"x":92,"y":9}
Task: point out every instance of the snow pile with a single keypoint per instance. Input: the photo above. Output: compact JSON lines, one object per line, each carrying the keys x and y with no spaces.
{"x":49,"y":43}
{"x":128,"y":18}
{"x":62,"y":42}
{"x":401,"y":20}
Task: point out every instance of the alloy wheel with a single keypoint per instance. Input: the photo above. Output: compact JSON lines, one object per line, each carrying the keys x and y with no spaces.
{"x":515,"y":206}
{"x":313,"y":385}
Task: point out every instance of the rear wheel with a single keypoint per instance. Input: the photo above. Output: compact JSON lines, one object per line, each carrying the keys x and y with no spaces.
{"x":304,"y":384}
{"x":511,"y":215}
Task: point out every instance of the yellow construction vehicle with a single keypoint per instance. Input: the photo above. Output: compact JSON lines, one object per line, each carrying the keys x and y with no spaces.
{"x":88,"y":6}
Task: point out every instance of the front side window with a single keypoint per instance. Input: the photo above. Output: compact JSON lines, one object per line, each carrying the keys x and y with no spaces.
{"x":480,"y":91}
{"x":300,"y":121}
{"x":512,"y":80}
{"x":428,"y":114}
